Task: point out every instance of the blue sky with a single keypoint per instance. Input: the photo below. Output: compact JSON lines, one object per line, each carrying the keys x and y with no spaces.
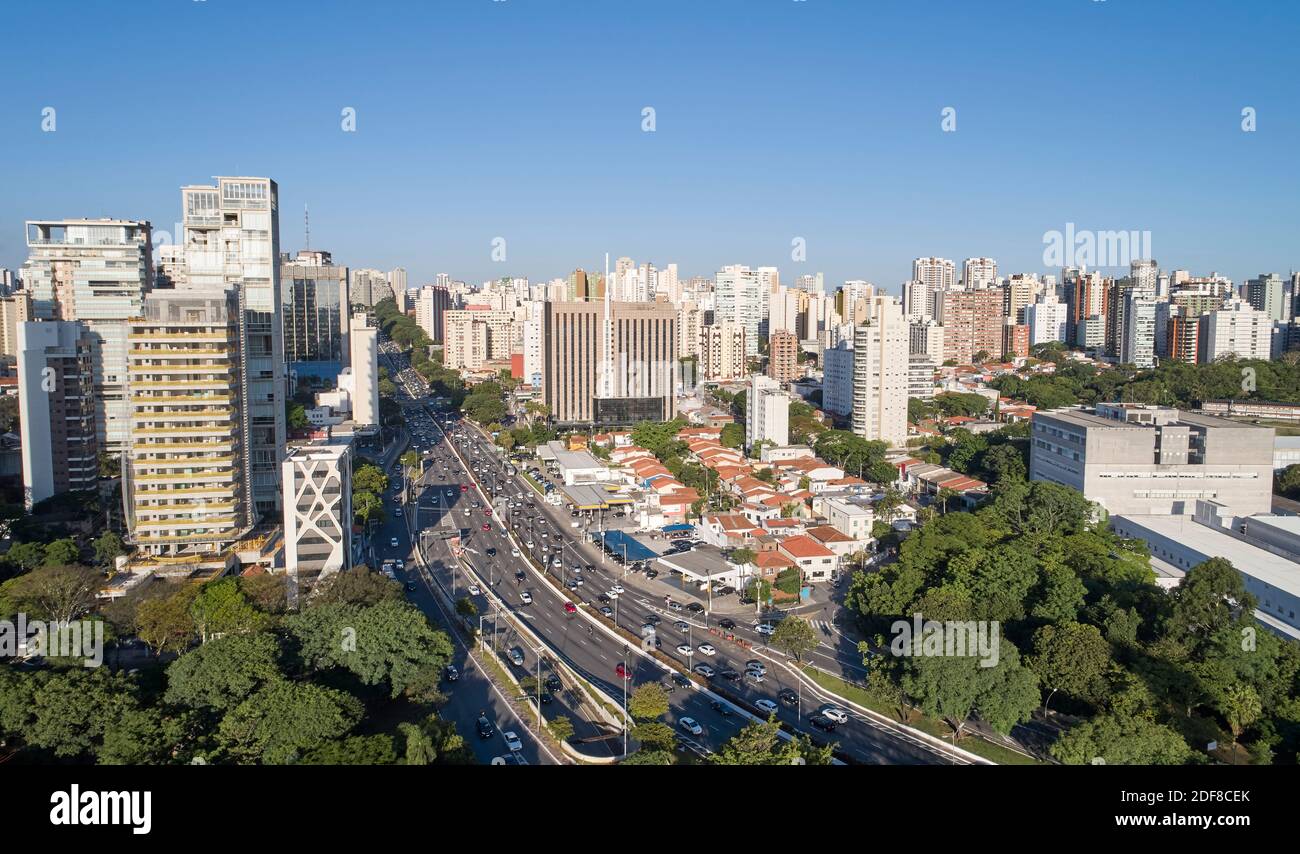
{"x":775,"y":119}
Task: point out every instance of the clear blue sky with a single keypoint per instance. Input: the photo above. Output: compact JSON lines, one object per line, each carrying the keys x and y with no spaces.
{"x":775,"y":119}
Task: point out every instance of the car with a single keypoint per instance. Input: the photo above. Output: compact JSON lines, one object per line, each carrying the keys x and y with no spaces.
{"x":607,"y":611}
{"x":756,"y":664}
{"x":553,"y":683}
{"x":721,"y":708}
{"x":707,"y":649}
{"x":690,"y":725}
{"x":654,"y":619}
{"x":577,"y":581}
{"x":730,"y":674}
{"x":570,"y":608}
{"x":526,"y":598}
{"x":466,"y":511}
{"x":398,"y":512}
{"x":492,"y":552}
{"x":450,"y":673}
{"x":612,"y":593}
{"x":484,"y":727}
{"x":617,"y":588}
{"x":695,"y":608}
{"x":529,"y":544}
{"x":765,"y":629}
{"x":572,"y":585}
{"x":557,"y":563}
{"x":410,"y":587}
{"x":604,"y":599}
{"x":685,"y":649}
{"x":474,"y":590}
{"x":705,"y":670}
{"x":727,"y":623}
{"x":486,"y":526}
{"x":765,"y":705}
{"x":623,"y":672}
{"x":512,"y":742}
{"x":651,"y":573}
{"x":392,"y":541}
{"x":822,"y":723}
{"x":520,"y":575}
{"x":682,"y":626}
{"x":674,"y":606}
{"x":834,"y":714}
{"x":788,"y":696}
{"x":464,"y":487}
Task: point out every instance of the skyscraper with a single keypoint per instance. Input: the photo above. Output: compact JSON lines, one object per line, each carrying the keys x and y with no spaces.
{"x":232,"y":239}
{"x":364,"y":339}
{"x":972,"y":324}
{"x":880,"y":373}
{"x":315,"y":310}
{"x":742,"y":297}
{"x":979,"y":273}
{"x":936,"y":274}
{"x":783,"y":356}
{"x":317,"y":503}
{"x":767,"y":413}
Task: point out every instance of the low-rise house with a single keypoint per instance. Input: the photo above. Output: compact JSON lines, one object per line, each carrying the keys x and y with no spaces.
{"x":815,"y":561}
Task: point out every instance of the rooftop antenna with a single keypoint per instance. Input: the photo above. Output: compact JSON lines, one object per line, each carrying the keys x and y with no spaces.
{"x":306,"y":224}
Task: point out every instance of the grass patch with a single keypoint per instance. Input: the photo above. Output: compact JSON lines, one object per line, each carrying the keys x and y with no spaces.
{"x":537,"y":487}
{"x":973,"y":743}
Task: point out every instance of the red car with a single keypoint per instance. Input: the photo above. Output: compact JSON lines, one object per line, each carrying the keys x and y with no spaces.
{"x":464,"y":487}
{"x":486,"y":526}
{"x":570,"y":608}
{"x":623,"y":671}
{"x":487,"y":510}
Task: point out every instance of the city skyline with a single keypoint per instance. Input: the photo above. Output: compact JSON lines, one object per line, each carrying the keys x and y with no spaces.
{"x":847,"y":152}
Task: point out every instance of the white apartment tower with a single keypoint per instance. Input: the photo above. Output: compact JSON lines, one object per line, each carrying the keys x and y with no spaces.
{"x":232,"y":239}
{"x":767,"y":412}
{"x":979,"y":273}
{"x":880,"y":373}
{"x":742,"y":297}
{"x":317,"y":504}
{"x":365,"y":373}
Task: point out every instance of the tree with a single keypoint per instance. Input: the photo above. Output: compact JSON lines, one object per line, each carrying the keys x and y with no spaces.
{"x":561,"y":727}
{"x":1211,"y":596}
{"x":1072,"y":658}
{"x":654,"y":736}
{"x":220,"y":608}
{"x":165,"y":623}
{"x":465,"y":607}
{"x":26,"y":556}
{"x":794,"y":636}
{"x":57,"y":592}
{"x":223,"y":673}
{"x":956,"y":686}
{"x":742,"y":556}
{"x":761,"y":744}
{"x":1054,"y":508}
{"x":388,"y":643}
{"x":1121,"y":740}
{"x":1241,"y":708}
{"x":282,"y":721}
{"x":733,"y":435}
{"x":62,"y":552}
{"x":108,"y":547}
{"x":266,"y":592}
{"x":648,"y":702}
{"x":353,"y":750}
{"x":356,"y":586}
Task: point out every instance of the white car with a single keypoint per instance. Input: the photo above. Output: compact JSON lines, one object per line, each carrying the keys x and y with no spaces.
{"x":611,"y":593}
{"x":691,"y":726}
{"x":766,"y":705}
{"x":765,"y":629}
{"x":529,"y":544}
{"x":398,"y":512}
{"x":835,"y":714}
{"x":706,"y":649}
{"x":513,"y":742}
{"x":705,"y":670}
{"x":514,"y":551}
{"x":526,"y":598}
{"x":617,"y":588}
{"x":685,"y":649}
{"x":393,"y":542}
{"x":474,"y":590}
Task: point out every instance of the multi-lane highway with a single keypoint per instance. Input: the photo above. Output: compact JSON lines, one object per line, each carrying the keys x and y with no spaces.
{"x":564,"y":618}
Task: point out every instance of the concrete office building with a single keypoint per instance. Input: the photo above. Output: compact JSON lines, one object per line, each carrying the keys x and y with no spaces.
{"x":881,"y":373}
{"x":432,"y":302}
{"x":368,"y":287}
{"x":232,"y":239}
{"x":317,"y":504}
{"x":837,"y":378}
{"x":188,"y":484}
{"x":96,"y":271}
{"x":56,"y":412}
{"x":610,"y":362}
{"x":1141,"y":459}
{"x":314,"y":311}
{"x":767,"y":413}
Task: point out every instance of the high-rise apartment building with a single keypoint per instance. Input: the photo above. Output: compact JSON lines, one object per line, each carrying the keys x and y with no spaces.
{"x":837,"y":378}
{"x":96,"y":271}
{"x":1236,"y":330}
{"x":56,"y":411}
{"x":232,"y":239}
{"x":926,"y":336}
{"x":1138,"y":342}
{"x":14,"y":309}
{"x":368,"y":287}
{"x":1018,"y":292}
{"x":972,"y":324}
{"x":881,"y":373}
{"x":783,"y":356}
{"x":188,"y":484}
{"x":767,"y":413}
{"x":920,"y":376}
{"x":314,"y":310}
{"x":742,"y":297}
{"x":475,"y":335}
{"x":317,"y":504}
{"x":397,"y":285}
{"x":364,"y":342}
{"x":722,"y":352}
{"x":1267,"y":293}
{"x":936,"y":274}
{"x":979,"y":273}
{"x":1047,"y":320}
{"x":432,"y":303}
